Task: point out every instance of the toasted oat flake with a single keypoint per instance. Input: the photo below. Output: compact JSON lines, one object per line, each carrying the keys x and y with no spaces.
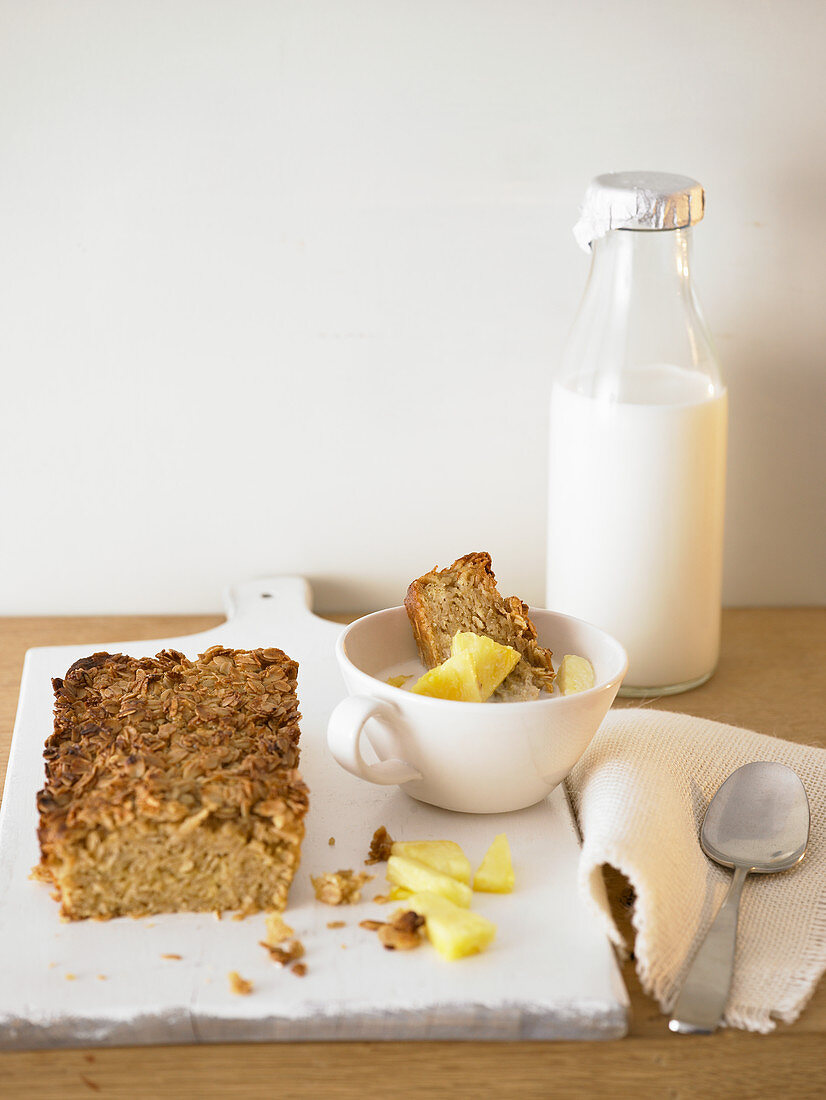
{"x":284,"y":954}
{"x":402,"y":933}
{"x":336,"y":924}
{"x":300,"y":969}
{"x":239,"y":985}
{"x":380,"y":846}
{"x":71,"y":977}
{"x":371,"y":925}
{"x":340,"y":887}
{"x":332,"y":842}
{"x":171,"y":956}
{"x":398,"y":939}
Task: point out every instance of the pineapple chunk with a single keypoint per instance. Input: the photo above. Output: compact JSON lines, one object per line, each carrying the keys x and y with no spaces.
{"x":476,"y":667}
{"x":415,"y":875}
{"x":455,"y":679}
{"x":399,"y":893}
{"x":575,"y":674}
{"x":493,"y":661}
{"x":453,"y":931}
{"x":445,"y":855}
{"x":397,"y":681}
{"x":495,"y":874}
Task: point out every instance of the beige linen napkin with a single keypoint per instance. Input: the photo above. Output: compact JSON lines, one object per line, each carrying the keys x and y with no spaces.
{"x":639,"y":794}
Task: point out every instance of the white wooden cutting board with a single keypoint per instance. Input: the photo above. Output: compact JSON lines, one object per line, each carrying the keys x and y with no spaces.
{"x":550,"y":974}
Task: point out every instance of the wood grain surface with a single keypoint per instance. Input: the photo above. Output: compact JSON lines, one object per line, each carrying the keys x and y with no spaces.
{"x":772,"y":678}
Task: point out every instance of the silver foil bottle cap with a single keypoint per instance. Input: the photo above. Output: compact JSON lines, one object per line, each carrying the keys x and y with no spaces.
{"x":638,"y":200}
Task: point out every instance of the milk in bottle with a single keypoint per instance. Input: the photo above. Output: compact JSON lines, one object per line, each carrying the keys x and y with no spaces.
{"x":638,"y":441}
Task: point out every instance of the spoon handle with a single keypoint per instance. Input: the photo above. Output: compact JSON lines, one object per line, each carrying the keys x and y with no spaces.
{"x":706,"y":986}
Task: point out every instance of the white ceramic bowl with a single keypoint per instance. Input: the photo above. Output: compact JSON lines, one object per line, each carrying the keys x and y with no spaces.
{"x":473,"y":757}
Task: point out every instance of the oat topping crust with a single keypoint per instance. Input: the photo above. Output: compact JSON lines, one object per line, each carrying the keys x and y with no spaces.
{"x":173,"y":740}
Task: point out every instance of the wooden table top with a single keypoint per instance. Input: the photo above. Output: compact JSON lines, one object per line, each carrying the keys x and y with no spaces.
{"x":771,"y":678}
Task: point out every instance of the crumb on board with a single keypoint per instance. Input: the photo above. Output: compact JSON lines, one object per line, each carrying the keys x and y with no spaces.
{"x":171,"y":955}
{"x":336,"y":924}
{"x":103,"y":977}
{"x":380,"y":846}
{"x":89,"y":1083}
{"x":381,"y":899}
{"x":277,"y":930}
{"x":332,"y":842}
{"x":402,"y":933}
{"x":71,"y":977}
{"x":149,"y":923}
{"x":300,"y":969}
{"x":218,"y":914}
{"x":341,"y":887}
{"x":285,"y":953}
{"x":239,"y":985}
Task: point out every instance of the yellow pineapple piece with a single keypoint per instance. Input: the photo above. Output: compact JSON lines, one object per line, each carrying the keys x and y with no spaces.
{"x":445,"y":855}
{"x":453,"y":931}
{"x":493,"y":661}
{"x":495,"y":874}
{"x":399,"y":893}
{"x":454,"y":679}
{"x":474,"y":670}
{"x":575,"y":674}
{"x":414,"y":875}
{"x":397,"y":681}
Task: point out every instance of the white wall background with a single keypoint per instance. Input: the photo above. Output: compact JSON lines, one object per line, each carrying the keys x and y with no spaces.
{"x":282,"y":284}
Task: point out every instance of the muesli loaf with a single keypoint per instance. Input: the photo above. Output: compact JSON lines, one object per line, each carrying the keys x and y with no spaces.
{"x":465,"y":597}
{"x":172,"y":784}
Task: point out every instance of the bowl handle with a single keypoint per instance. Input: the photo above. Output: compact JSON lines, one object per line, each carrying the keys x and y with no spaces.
{"x":344,"y":732}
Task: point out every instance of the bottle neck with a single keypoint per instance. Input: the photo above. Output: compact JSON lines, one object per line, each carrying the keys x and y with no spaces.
{"x":639,"y":312}
{"x":650,"y":263}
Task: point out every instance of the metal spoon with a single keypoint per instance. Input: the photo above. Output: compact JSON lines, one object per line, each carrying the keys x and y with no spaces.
{"x":757,"y":821}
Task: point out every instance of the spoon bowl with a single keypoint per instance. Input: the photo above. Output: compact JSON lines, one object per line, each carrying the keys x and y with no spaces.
{"x":757,"y":821}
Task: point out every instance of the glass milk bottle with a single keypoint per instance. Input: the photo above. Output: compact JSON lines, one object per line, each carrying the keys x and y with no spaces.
{"x":638,"y":440}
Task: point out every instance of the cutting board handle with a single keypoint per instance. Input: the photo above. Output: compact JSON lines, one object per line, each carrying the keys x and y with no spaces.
{"x":282,"y":598}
